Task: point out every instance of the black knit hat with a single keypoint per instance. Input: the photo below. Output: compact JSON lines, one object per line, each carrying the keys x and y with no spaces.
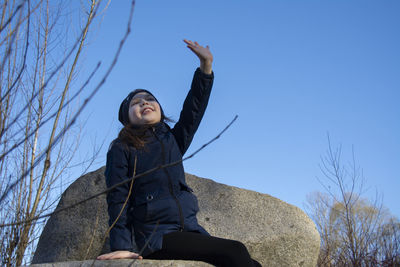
{"x":123,"y":114}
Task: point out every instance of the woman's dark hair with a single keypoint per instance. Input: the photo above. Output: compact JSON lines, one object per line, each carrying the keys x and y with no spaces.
{"x":137,"y":136}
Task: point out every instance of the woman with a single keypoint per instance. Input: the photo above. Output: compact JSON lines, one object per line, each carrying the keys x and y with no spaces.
{"x":161,"y":208}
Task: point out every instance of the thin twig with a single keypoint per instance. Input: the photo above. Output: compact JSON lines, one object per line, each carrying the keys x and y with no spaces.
{"x":52,"y":74}
{"x":9,"y":47}
{"x":147,"y":242}
{"x":87,"y":100}
{"x":125,"y":181}
{"x":17,"y":79}
{"x":11,"y":17}
{"x":18,"y":143}
{"x":122,"y":209}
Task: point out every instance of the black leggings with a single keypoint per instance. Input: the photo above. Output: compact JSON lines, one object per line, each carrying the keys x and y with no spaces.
{"x":213,"y":250}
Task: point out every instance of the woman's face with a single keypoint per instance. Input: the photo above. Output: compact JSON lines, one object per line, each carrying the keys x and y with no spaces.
{"x":144,"y":109}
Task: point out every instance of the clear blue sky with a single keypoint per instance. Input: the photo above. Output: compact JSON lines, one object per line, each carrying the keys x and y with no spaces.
{"x":292,"y":70}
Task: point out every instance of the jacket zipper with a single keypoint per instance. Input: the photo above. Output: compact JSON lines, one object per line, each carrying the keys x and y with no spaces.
{"x":171,"y":190}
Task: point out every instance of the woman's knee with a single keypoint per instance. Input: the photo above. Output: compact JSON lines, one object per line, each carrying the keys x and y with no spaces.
{"x":236,"y":247}
{"x":236,"y":253}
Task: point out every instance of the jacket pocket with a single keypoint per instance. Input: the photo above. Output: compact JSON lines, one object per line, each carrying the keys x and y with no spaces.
{"x":163,"y":210}
{"x":189,"y":202}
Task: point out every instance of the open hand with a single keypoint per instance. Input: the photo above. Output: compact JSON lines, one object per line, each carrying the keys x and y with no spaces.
{"x":203,"y":53}
{"x":120,"y":254}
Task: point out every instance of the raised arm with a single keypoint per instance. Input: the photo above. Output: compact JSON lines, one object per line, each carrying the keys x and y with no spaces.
{"x":197,"y":98}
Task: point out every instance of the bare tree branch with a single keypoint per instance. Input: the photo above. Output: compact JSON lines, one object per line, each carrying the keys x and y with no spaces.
{"x":349,"y":225}
{"x":126,"y":181}
{"x":54,"y":72}
{"x":73,"y":120}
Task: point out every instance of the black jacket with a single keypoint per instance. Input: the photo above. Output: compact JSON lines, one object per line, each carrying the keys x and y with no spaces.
{"x":160,"y":200}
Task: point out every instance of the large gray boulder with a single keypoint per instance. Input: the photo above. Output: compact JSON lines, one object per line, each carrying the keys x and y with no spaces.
{"x":119,"y":263}
{"x":275,"y":233}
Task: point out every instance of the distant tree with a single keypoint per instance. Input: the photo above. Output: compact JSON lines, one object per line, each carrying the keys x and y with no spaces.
{"x":387,"y":248}
{"x":40,"y":53}
{"x":354,"y":231}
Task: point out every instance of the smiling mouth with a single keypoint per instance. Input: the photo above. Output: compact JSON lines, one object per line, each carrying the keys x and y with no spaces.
{"x":146,"y":110}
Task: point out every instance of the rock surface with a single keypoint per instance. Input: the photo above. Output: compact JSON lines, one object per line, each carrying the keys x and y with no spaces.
{"x":275,"y":233}
{"x":118,"y":263}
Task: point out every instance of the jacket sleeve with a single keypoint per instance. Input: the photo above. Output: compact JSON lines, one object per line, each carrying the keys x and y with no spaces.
{"x":193,"y":109}
{"x":117,"y":171}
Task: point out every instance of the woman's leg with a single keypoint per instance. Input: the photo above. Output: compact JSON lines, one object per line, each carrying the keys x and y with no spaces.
{"x":194,"y":246}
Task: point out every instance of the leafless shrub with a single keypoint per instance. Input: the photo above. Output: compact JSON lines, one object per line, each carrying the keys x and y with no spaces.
{"x":354,"y":231}
{"x":38,"y":106}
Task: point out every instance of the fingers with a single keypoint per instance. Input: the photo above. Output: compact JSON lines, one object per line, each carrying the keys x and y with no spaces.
{"x":191,"y":44}
{"x":108,"y":256}
{"x":188,"y":42}
{"x":136,"y":256}
{"x":103,"y":257}
{"x":119,"y":255}
{"x":203,"y":53}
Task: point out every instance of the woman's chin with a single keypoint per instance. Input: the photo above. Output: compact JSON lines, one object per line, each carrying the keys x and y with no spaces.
{"x":150,"y":121}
